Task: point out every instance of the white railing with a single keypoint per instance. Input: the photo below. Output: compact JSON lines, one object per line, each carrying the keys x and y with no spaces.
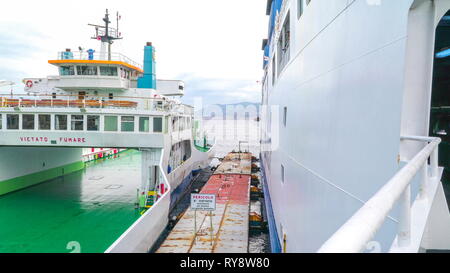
{"x":143,"y":234}
{"x":84,"y":101}
{"x":83,"y":55}
{"x":354,"y":235}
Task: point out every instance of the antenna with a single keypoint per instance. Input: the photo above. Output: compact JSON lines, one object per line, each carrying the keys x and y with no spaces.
{"x":106,"y":34}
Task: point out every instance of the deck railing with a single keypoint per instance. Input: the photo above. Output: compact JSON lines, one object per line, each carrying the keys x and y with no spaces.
{"x":88,"y":101}
{"x":143,"y":234}
{"x":83,"y":55}
{"x":354,"y":235}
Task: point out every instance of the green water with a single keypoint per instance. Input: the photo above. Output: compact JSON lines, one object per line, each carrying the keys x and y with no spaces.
{"x":88,"y":209}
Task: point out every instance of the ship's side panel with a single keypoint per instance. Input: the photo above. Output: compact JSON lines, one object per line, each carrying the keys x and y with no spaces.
{"x":342,"y":90}
{"x":22,"y":167}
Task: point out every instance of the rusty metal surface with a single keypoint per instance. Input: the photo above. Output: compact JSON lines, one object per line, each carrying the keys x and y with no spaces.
{"x":236,"y":163}
{"x":229,"y":222}
{"x":229,"y":187}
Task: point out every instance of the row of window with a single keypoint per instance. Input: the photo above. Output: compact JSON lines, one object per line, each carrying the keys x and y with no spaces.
{"x":90,"y":70}
{"x":284,"y":42}
{"x":181,"y":123}
{"x":77,"y":123}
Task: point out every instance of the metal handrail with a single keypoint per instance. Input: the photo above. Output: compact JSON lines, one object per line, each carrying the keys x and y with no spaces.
{"x":354,"y":235}
{"x":77,"y":95}
{"x":90,"y":101}
{"x":82,"y":55}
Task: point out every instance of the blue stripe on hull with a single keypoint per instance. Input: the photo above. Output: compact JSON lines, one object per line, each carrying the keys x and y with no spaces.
{"x":275,"y":244}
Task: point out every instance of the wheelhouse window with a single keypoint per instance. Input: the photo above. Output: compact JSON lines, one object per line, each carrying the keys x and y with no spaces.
{"x":1,"y":122}
{"x":157,"y":125}
{"x":93,"y":123}
{"x":66,"y":70}
{"x":124,"y":73}
{"x":28,"y":122}
{"x":12,"y":122}
{"x":87,"y":70}
{"x":108,"y":71}
{"x":60,"y":122}
{"x":111,"y":124}
{"x":127,"y":124}
{"x":77,"y":122}
{"x":144,"y":124}
{"x":44,"y":122}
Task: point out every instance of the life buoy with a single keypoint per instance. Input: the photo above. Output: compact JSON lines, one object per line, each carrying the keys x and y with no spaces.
{"x":29,"y":84}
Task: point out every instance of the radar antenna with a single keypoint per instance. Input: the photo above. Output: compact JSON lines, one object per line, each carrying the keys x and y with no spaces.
{"x":107,"y":34}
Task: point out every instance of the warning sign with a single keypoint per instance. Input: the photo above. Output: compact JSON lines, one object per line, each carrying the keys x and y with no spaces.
{"x":203,"y":201}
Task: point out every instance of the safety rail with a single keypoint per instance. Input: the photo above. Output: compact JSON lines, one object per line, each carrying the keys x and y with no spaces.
{"x":354,"y":235}
{"x":101,"y":154}
{"x":142,"y":235}
{"x":86,"y":101}
{"x":85,"y":56}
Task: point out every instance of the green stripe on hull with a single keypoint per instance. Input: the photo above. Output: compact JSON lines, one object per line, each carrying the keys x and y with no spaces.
{"x":25,"y":181}
{"x":202,"y":149}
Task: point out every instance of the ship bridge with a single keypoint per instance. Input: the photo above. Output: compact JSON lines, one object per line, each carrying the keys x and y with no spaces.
{"x":85,"y":71}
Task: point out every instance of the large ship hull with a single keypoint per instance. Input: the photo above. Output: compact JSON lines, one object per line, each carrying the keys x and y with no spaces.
{"x":358,"y":77}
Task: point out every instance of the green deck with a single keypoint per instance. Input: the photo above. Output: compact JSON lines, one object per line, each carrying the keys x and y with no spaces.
{"x":92,"y":207}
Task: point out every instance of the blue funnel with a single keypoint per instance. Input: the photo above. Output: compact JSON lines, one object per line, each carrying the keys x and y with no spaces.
{"x":148,"y":80}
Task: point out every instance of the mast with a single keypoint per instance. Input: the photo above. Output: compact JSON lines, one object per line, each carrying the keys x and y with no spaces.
{"x":106,"y":34}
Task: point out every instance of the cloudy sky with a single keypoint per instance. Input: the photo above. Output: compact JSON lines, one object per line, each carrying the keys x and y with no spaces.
{"x":213,"y":45}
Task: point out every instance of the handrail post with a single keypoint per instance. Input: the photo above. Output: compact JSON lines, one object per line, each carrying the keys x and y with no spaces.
{"x":404,"y":225}
{"x":434,"y":162}
{"x":423,"y":181}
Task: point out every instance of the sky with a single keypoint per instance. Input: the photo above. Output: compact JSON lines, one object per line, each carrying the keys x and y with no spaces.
{"x":212,"y":45}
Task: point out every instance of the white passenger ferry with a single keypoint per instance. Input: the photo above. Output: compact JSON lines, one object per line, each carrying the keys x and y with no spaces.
{"x":103,"y":102}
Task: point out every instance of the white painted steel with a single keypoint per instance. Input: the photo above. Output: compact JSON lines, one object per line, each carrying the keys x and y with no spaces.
{"x":6,"y":83}
{"x":363,"y":225}
{"x":359,"y":77}
{"x":141,"y":236}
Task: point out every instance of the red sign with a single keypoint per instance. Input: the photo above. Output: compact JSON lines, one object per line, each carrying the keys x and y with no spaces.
{"x":34,"y":139}
{"x":72,"y":139}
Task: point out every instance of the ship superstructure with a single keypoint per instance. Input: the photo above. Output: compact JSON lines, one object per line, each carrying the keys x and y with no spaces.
{"x":348,"y":162}
{"x":105,"y":100}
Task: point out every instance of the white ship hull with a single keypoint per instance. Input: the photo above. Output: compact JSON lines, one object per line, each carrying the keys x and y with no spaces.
{"x":358,"y":77}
